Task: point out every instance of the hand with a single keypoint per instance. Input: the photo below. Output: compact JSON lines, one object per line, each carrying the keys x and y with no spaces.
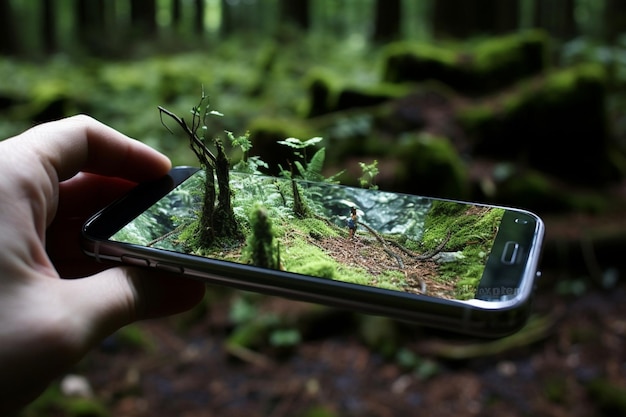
{"x":52,"y":177}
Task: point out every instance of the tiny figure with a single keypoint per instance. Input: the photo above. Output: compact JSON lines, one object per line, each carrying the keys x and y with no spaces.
{"x":352,"y":222}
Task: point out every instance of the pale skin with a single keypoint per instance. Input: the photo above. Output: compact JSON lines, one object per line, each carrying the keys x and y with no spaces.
{"x":52,"y":178}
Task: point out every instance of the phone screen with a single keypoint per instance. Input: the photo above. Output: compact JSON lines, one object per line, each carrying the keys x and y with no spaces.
{"x":386,"y":240}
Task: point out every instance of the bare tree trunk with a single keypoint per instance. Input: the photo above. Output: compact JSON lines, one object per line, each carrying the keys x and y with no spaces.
{"x":9,"y":42}
{"x":615,"y":20}
{"x":295,"y":13}
{"x":557,"y":17}
{"x":198,"y":21}
{"x":143,"y":17}
{"x":207,"y":232}
{"x":90,"y":25}
{"x":49,"y":27}
{"x":462,"y":19}
{"x":177,"y":14}
{"x":227,"y":23}
{"x":224,"y":220}
{"x":388,"y":21}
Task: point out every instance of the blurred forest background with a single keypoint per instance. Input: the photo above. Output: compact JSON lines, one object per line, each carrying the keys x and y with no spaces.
{"x":516,"y":102}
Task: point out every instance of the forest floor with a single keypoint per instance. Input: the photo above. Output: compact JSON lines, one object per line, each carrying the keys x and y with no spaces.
{"x":569,"y":361}
{"x":336,"y":373}
{"x":365,"y":252}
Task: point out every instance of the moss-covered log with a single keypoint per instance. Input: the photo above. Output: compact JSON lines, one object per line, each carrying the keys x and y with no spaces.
{"x":329,"y":93}
{"x":556,"y":124}
{"x":477,"y":70}
{"x":429,"y":165}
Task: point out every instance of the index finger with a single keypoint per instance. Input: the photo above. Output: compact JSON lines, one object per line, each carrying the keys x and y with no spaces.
{"x":81,"y":143}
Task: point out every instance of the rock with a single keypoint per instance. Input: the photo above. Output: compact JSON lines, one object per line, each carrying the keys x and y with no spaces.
{"x":76,"y":386}
{"x":446,"y":257}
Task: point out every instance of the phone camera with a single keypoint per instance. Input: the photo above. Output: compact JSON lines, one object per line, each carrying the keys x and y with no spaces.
{"x":521,"y":221}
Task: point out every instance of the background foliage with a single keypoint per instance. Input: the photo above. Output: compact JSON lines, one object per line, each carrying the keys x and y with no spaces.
{"x":552,"y":141}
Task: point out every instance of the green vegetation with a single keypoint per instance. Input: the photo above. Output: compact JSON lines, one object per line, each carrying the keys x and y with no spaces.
{"x":472,"y":230}
{"x":558,"y":114}
{"x":261,"y":248}
{"x":490,"y":65}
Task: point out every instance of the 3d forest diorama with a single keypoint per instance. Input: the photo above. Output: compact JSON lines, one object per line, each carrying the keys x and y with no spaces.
{"x":237,"y":214}
{"x":282,"y":104}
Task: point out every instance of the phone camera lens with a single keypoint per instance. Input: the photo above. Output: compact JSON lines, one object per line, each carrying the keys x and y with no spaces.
{"x":521,"y":221}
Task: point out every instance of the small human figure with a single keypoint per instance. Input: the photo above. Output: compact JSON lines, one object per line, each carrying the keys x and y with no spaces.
{"x":352,"y":222}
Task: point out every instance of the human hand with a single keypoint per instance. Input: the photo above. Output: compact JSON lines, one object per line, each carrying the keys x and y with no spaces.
{"x":52,"y":177}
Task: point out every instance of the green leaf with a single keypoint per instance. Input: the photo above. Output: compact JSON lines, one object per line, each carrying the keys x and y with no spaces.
{"x":316,"y":165}
{"x":292,"y":143}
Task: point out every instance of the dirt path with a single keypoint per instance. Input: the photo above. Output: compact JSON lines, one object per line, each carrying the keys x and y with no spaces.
{"x":367,"y":253}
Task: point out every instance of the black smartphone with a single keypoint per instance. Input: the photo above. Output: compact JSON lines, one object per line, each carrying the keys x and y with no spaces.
{"x":458,"y":266}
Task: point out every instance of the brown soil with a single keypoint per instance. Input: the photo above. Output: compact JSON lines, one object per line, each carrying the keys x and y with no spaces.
{"x":365,"y":252}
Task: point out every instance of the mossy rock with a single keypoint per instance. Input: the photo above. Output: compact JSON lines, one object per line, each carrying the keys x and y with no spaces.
{"x":322,"y":86}
{"x":429,"y":165}
{"x":329,"y":93}
{"x":414,"y":62}
{"x":351,"y":96}
{"x":266,"y":132}
{"x":490,"y":65}
{"x":557,"y":124}
{"x":534,"y":191}
{"x":502,"y":61}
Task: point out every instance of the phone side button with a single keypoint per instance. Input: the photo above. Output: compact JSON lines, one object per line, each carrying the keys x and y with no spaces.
{"x":509,"y":254}
{"x":170,"y":268}
{"x":135,"y":261}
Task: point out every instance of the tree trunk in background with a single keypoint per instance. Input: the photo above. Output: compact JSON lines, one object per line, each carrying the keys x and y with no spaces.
{"x":388,"y":21}
{"x":462,"y":19}
{"x":177,"y":14}
{"x":614,"y":19}
{"x":198,"y":17}
{"x":557,"y":18}
{"x":295,"y":13}
{"x":143,"y":17}
{"x":9,"y":44}
{"x":90,"y":27}
{"x":48,"y":26}
{"x":227,"y":24}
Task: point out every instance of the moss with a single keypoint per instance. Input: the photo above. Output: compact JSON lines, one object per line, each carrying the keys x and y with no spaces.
{"x":472,"y":69}
{"x":557,"y":125}
{"x":471,"y":232}
{"x":319,"y":268}
{"x":353,"y":96}
{"x":502,"y":61}
{"x":609,"y":398}
{"x":330,"y":93}
{"x":261,"y":248}
{"x":134,"y":337}
{"x":555,"y":389}
{"x":266,"y":132}
{"x":410,"y":62}
{"x":432,"y":166}
{"x":322,"y":86}
{"x":380,"y":334}
{"x":53,"y":402}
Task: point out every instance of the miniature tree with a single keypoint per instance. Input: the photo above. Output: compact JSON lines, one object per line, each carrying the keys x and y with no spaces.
{"x":216,"y":220}
{"x":260,"y":248}
{"x":300,"y":209}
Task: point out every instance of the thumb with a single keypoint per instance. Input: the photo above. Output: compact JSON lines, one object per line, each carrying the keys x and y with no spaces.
{"x":60,"y":320}
{"x":119,"y":296}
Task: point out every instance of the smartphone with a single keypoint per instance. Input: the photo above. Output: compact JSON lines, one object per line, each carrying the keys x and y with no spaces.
{"x":457,"y":266}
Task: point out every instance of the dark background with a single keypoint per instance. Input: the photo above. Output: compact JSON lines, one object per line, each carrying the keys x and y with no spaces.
{"x":517,"y":102}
